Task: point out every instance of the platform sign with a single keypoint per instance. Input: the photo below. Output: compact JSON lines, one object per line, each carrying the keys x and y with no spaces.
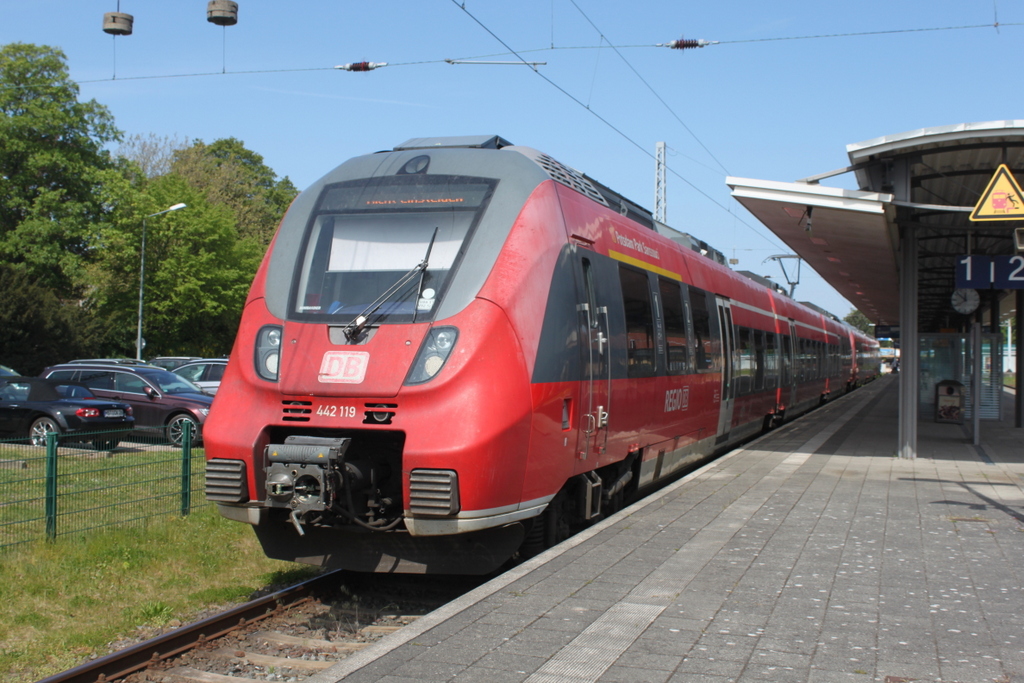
{"x":987,"y":272}
{"x":1002,"y":200}
{"x":1009,"y":272}
{"x":974,"y":272}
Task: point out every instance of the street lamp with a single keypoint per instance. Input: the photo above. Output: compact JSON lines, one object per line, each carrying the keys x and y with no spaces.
{"x":142,"y":275}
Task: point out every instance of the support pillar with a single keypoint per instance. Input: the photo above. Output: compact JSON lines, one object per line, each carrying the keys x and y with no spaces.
{"x":910,"y":354}
{"x":1018,"y":402}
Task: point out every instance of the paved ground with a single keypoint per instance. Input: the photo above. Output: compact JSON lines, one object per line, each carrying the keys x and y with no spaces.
{"x":811,"y":555}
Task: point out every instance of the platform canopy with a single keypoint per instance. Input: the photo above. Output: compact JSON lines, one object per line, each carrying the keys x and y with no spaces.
{"x":928,"y":180}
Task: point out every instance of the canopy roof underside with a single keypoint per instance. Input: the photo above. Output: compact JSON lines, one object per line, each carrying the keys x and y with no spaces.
{"x":928,"y":180}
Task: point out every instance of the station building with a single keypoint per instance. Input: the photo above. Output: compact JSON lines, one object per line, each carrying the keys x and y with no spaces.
{"x":930,"y":247}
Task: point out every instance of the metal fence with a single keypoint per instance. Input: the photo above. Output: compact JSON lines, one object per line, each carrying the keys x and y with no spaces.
{"x":71,"y":486}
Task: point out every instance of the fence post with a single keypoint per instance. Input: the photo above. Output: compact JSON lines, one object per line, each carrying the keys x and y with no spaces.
{"x":186,"y":467}
{"x":51,"y":486}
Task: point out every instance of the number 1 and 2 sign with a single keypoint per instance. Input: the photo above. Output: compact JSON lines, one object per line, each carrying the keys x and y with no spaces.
{"x":990,"y":272}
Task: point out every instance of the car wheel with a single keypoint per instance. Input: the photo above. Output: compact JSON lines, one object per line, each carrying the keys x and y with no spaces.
{"x":105,"y":444}
{"x":40,"y":428}
{"x":176,"y":428}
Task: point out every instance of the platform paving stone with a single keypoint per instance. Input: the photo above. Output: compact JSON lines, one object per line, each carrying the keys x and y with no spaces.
{"x":811,"y":555}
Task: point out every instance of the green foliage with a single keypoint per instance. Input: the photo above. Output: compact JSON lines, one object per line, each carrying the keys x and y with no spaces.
{"x":230,"y":175}
{"x":51,"y":163}
{"x":197,"y":275}
{"x":860,"y":321}
{"x":72,"y":218}
{"x":37,"y":329}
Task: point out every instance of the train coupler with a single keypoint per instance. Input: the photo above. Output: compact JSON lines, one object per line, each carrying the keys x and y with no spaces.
{"x":303,"y":474}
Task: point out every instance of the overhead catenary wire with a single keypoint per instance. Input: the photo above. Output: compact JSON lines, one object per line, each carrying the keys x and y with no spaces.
{"x":651,"y":88}
{"x":610,"y":125}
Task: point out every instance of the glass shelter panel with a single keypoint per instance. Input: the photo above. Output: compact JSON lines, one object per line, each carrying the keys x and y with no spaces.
{"x":948,"y":357}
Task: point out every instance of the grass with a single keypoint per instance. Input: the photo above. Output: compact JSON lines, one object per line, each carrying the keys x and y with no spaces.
{"x":61,"y":602}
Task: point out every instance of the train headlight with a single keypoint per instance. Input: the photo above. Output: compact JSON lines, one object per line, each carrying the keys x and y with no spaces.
{"x":433,"y":354}
{"x":268,"y":351}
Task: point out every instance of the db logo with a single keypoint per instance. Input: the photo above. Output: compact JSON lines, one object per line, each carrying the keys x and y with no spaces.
{"x":344,"y":367}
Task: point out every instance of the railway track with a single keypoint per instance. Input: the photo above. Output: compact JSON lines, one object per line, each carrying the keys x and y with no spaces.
{"x":284,"y":636}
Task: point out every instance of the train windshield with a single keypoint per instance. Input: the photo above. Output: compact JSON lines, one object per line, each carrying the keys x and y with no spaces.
{"x":367,"y":235}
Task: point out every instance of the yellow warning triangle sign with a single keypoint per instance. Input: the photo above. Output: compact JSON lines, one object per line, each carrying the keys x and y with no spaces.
{"x":1002,"y":200}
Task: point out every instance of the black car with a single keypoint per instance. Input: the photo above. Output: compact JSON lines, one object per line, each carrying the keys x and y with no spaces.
{"x":162,"y":401}
{"x":33,"y":407}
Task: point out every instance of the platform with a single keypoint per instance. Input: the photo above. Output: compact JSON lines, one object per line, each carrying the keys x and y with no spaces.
{"x":812,"y":555}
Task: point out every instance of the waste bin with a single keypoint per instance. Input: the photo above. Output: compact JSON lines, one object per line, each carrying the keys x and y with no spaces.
{"x":949,"y":401}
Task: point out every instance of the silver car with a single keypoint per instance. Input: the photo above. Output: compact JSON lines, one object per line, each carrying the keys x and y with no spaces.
{"x":205,"y":373}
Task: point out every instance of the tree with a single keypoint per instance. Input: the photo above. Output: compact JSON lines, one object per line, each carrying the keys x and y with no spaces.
{"x":152,"y":153}
{"x":860,"y":321}
{"x":230,"y":175}
{"x":38,"y":330}
{"x":197,"y":275}
{"x":52,"y":162}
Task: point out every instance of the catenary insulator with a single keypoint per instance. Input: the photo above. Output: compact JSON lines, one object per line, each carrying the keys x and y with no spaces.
{"x":688,"y":43}
{"x":222,"y":12}
{"x":118,"y":23}
{"x":361,"y":66}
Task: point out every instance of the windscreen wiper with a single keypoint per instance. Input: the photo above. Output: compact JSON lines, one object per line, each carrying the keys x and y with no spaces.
{"x":355,"y":328}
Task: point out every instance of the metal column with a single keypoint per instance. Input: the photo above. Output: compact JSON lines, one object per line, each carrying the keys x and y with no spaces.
{"x":1018,"y":403}
{"x":909,"y":352}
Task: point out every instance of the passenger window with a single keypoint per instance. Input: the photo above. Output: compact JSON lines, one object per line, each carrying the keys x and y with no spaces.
{"x":745,"y":371}
{"x":704,"y":344}
{"x":675,"y":327}
{"x":771,"y":361}
{"x":130,"y":383}
{"x":636,"y":300}
{"x":98,"y":379}
{"x":758,"y":359}
{"x":215,"y":372}
{"x":62,"y":375}
{"x":192,"y":374}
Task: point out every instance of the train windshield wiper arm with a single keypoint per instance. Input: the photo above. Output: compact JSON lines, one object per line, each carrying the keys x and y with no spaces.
{"x":354,"y":328}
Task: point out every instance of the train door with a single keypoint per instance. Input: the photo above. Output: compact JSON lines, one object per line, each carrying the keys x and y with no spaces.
{"x":728,"y":367}
{"x":595,"y":384}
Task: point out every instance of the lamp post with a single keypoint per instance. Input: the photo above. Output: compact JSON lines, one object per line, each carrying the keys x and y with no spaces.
{"x":142,"y":275}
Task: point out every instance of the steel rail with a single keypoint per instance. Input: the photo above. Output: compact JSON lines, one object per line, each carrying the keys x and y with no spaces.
{"x":136,"y":657}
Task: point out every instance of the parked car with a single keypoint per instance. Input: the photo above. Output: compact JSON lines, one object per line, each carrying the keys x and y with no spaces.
{"x":33,"y":407}
{"x":161,"y":400}
{"x":8,"y":372}
{"x":206,"y":373}
{"x":171,"y":362}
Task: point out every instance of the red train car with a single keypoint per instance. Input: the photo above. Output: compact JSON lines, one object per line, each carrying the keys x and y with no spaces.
{"x":461,"y":350}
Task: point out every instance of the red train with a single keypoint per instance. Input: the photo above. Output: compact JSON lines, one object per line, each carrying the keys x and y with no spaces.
{"x":461,"y":350}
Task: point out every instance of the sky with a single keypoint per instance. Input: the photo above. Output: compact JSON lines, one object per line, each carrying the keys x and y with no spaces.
{"x":786,"y":87}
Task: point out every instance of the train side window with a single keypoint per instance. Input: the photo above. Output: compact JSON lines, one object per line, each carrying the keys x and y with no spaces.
{"x":588,"y":283}
{"x":746,"y":370}
{"x":771,"y":360}
{"x":674,"y":316}
{"x":636,"y":301}
{"x":788,"y":375}
{"x":758,"y":359}
{"x":704,"y":344}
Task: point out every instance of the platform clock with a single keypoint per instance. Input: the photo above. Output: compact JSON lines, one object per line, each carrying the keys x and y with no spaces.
{"x":965,"y":300}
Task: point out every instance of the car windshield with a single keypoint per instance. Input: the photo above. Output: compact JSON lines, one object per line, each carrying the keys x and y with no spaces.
{"x":169,"y":383}
{"x":367,"y":234}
